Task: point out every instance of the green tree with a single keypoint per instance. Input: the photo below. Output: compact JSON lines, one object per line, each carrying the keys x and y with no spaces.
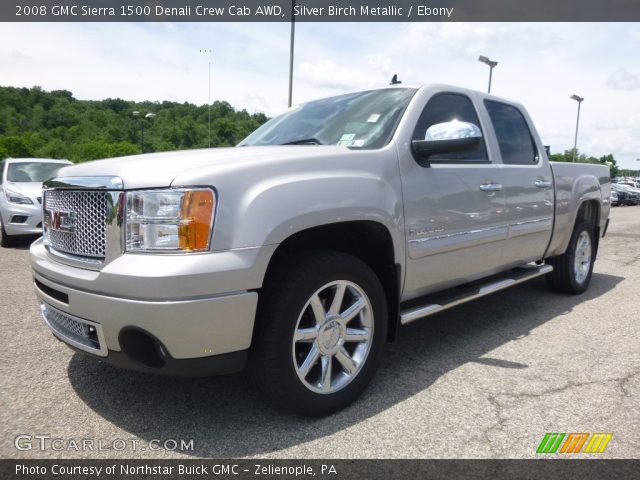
{"x":15,"y":147}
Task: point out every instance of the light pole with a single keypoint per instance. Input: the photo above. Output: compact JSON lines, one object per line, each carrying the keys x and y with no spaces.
{"x":291,"y":45}
{"x":575,"y":140}
{"x":491,"y":64}
{"x":148,"y":116}
{"x":209,"y":53}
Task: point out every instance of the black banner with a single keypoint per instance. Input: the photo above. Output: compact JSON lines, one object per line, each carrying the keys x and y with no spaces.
{"x":319,"y":11}
{"x":319,"y":469}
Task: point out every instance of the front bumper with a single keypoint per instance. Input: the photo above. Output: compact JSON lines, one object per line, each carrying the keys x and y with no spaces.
{"x":139,"y":303}
{"x":223,"y":364}
{"x":32,"y":225}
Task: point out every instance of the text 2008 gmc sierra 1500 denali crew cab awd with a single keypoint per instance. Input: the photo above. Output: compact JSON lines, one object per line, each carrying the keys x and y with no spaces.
{"x":301,"y":251}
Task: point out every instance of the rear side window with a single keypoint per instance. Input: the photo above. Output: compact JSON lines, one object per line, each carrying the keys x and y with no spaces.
{"x":512,"y":131}
{"x":445,"y":107}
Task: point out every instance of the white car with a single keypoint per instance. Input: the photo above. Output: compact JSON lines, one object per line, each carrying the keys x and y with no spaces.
{"x":21,"y":195}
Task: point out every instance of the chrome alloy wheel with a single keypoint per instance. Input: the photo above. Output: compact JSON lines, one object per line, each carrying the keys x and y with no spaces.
{"x":582,"y":260}
{"x":332,"y":337}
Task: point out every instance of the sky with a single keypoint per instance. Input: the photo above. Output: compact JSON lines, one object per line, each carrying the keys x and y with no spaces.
{"x":539,"y":65}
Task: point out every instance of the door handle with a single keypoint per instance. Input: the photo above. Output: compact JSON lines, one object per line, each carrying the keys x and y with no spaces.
{"x":491,"y":187}
{"x":542,"y":183}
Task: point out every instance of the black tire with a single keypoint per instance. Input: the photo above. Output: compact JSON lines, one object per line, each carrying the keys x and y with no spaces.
{"x":565,"y":278}
{"x":285,"y":300}
{"x":5,"y":240}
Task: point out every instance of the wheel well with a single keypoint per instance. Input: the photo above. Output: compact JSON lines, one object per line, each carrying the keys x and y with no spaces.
{"x":369,"y":241}
{"x":590,"y":211}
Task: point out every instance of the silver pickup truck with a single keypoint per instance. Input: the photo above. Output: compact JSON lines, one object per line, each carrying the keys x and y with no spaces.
{"x":301,"y":252}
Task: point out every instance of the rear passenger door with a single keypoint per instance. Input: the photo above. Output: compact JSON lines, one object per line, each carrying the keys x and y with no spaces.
{"x":527,"y":181}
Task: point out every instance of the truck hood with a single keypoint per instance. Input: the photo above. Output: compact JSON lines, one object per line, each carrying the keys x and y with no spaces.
{"x":160,"y":169}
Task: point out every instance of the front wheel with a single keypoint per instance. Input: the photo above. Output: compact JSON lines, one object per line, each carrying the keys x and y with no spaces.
{"x":322,"y":324}
{"x":572,"y":270}
{"x":5,"y":240}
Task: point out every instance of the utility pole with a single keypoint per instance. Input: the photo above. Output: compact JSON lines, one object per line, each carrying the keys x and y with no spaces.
{"x":291,"y":48}
{"x":209,"y":53}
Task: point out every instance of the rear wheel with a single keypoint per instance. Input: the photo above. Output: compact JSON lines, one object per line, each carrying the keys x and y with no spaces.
{"x":572,"y":270}
{"x":321,"y":329}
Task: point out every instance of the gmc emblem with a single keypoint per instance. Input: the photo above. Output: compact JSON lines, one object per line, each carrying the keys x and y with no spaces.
{"x":60,"y":221}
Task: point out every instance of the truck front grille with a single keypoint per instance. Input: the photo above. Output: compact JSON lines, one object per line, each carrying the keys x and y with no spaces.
{"x":75,"y":222}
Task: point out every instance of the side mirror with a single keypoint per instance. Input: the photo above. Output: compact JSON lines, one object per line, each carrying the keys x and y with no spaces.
{"x":447,"y":137}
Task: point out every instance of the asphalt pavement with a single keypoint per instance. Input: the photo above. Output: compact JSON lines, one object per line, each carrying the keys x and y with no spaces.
{"x":484,"y":380}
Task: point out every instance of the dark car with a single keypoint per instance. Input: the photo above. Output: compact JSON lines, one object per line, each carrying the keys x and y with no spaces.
{"x":626,"y":196}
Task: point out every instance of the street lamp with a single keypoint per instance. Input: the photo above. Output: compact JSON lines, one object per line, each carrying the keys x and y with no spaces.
{"x":575,"y":141}
{"x":491,"y":64}
{"x":149,"y":116}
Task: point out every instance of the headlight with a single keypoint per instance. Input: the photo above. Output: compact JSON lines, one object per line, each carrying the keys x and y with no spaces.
{"x":169,"y":220}
{"x":15,"y":197}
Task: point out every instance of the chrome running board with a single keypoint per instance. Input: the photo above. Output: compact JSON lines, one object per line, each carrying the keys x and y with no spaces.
{"x":450,"y":298}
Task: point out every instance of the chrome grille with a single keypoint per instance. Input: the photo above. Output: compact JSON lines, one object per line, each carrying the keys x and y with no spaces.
{"x":90,"y":210}
{"x":76,"y":331}
{"x":68,"y":324}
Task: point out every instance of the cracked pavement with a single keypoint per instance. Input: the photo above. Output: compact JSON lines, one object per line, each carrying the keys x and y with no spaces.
{"x":484,"y":380}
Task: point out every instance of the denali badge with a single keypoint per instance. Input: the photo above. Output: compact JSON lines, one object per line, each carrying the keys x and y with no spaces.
{"x":61,"y":221}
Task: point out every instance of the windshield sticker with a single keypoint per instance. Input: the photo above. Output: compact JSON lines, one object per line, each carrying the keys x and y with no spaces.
{"x":358,"y":143}
{"x":373,"y":118}
{"x":346,"y":140}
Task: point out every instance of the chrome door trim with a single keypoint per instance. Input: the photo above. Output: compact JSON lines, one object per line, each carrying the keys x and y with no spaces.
{"x":530,"y":226}
{"x":422,"y":247}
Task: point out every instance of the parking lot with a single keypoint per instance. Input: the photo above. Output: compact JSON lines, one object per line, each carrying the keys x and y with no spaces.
{"x":484,"y":380}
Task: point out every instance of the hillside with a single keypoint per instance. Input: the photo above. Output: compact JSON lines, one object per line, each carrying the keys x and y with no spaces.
{"x":37,"y":123}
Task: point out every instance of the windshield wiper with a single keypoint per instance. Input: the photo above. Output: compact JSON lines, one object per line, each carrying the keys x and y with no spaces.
{"x":304,"y":141}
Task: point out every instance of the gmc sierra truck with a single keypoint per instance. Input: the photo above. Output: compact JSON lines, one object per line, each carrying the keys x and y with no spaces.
{"x":300,"y":252}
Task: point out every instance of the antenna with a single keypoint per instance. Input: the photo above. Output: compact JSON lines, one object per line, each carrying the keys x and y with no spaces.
{"x":394,"y":80}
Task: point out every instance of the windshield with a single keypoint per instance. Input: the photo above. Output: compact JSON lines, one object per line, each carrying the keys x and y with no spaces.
{"x":32,"y":171}
{"x":357,"y":120}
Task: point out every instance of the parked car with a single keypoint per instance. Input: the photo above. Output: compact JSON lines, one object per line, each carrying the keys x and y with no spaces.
{"x":613,"y":198}
{"x":21,"y":194}
{"x":626,"y":195}
{"x":633,"y":190}
{"x":303,"y":250}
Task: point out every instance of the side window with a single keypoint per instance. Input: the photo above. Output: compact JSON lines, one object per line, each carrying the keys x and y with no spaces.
{"x":1,"y":172}
{"x":445,"y":107}
{"x":514,"y":137}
